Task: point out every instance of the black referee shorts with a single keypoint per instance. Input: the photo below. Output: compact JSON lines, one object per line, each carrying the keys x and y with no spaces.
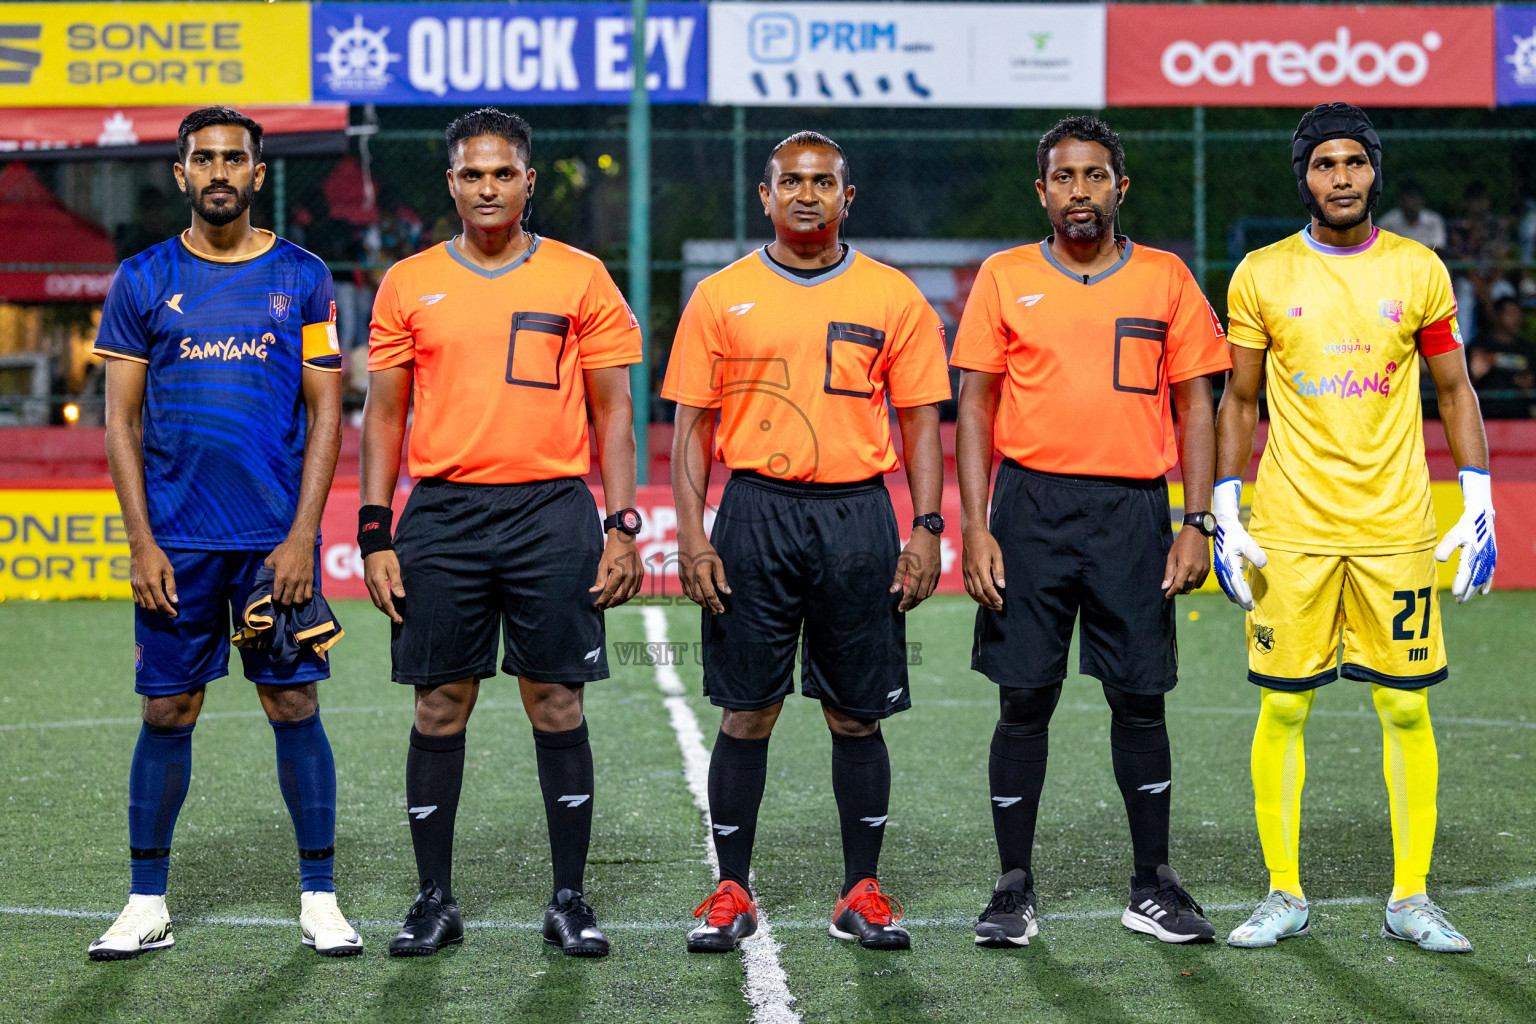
{"x":817,"y":557}
{"x":478,"y":559}
{"x":1098,"y":545}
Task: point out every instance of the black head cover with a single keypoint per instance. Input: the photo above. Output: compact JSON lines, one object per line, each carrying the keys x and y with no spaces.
{"x":1333,"y":121}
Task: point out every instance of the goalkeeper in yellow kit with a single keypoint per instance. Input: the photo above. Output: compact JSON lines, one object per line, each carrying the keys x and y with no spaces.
{"x":1342,"y":533}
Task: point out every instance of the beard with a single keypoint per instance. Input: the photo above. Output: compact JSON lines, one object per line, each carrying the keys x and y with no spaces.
{"x":1103,"y":222}
{"x":1346,"y":220}
{"x":218,"y":216}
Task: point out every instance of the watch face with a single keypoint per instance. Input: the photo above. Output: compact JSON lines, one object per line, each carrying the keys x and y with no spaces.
{"x":629,"y":521}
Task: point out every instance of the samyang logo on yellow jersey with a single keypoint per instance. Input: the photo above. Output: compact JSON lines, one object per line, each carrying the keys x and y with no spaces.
{"x":228,"y":350}
{"x":1345,"y":385}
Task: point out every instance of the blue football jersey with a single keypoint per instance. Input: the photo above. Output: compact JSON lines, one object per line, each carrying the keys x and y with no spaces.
{"x":226,"y":343}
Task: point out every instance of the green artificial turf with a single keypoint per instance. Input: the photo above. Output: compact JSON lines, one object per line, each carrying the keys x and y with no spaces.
{"x":234,"y":890}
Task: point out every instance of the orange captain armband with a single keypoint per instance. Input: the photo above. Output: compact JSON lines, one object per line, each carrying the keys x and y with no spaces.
{"x":1435,"y":339}
{"x":322,"y":350}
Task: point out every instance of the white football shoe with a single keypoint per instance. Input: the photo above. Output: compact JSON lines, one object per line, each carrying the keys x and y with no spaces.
{"x":324,"y":927}
{"x":143,"y":924}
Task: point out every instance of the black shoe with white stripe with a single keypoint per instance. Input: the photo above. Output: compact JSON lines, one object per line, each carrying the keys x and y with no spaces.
{"x":1009,"y":919}
{"x":1167,"y":911}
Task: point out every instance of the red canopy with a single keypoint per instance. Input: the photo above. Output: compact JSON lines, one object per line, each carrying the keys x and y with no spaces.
{"x":35,"y":227}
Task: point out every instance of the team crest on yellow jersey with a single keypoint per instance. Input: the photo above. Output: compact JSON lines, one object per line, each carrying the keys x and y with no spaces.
{"x":1391,"y":311}
{"x":1263,"y":638}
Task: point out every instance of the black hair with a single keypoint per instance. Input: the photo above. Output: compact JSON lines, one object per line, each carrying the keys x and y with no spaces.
{"x":808,"y":139}
{"x":1085,"y":129}
{"x":208,"y":117}
{"x":490,"y":121}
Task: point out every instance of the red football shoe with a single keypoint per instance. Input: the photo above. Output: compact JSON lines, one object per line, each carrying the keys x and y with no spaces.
{"x":865,"y":916}
{"x":732,"y":916}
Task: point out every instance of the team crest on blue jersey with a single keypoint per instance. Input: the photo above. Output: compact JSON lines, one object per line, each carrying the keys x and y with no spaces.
{"x":1263,"y":638}
{"x":278,"y":305}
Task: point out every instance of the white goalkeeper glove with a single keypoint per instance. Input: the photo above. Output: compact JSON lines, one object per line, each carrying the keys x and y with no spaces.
{"x":1233,"y":543}
{"x":1473,"y":534}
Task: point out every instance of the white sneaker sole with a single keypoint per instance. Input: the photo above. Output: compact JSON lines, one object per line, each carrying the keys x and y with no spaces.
{"x":1253,"y":944}
{"x":96,"y":952}
{"x":1023,"y":940}
{"x":1137,"y":923}
{"x":348,"y":947}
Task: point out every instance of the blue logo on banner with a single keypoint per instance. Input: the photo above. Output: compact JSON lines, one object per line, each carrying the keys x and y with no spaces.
{"x":1515,"y":32}
{"x":528,"y":53}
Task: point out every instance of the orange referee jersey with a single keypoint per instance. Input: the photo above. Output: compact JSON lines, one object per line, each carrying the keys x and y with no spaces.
{"x":800,"y":368}
{"x":1088,"y":362}
{"x":499,"y":354}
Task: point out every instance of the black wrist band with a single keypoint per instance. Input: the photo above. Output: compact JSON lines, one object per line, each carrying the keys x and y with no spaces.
{"x":373,"y":529}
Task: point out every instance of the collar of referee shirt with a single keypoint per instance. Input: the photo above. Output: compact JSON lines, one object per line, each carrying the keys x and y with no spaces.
{"x":1125,"y":257}
{"x":464,"y":261}
{"x":834,"y":270}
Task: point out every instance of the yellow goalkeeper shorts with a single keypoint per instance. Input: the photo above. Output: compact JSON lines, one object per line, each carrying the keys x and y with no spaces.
{"x":1387,"y":608}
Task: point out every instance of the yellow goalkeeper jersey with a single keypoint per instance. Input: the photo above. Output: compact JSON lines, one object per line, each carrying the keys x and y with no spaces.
{"x":1344,"y":469}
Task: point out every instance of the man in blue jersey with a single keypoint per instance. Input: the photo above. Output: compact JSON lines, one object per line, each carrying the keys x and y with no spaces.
{"x":223,"y":426}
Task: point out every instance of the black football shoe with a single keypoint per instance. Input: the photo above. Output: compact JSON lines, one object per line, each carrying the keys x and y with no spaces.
{"x":570,"y":924}
{"x":1009,"y":919}
{"x":432,"y":924}
{"x":729,"y":915}
{"x":865,"y":916}
{"x":1167,"y":911}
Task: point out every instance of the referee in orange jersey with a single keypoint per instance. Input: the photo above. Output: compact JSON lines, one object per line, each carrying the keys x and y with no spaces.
{"x":1070,"y":349}
{"x":506,"y":342}
{"x":798,"y":348}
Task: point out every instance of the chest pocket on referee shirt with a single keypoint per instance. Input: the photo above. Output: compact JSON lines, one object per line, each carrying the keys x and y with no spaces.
{"x":1139,"y":349}
{"x":851,"y":353}
{"x":536,"y":348}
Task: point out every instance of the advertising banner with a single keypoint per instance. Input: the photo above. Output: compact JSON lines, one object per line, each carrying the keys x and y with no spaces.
{"x":528,"y":53}
{"x":70,"y":543}
{"x":1515,"y":60}
{"x":906,"y":55}
{"x":1176,"y":55}
{"x":105,"y":54}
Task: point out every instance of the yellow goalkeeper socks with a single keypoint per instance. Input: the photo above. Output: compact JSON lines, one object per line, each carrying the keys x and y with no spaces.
{"x":1412,"y":769}
{"x":1279,"y":767}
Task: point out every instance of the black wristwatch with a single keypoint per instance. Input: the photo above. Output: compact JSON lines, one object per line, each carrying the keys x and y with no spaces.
{"x":932,"y":522}
{"x":1205,"y":522}
{"x":626,"y":519}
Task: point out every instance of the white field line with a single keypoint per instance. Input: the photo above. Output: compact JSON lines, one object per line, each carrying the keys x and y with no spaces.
{"x":668,"y":672}
{"x":950,"y":921}
{"x":767,"y":987}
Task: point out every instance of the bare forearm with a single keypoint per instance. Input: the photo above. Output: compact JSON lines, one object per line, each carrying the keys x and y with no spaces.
{"x":692,"y":462}
{"x":322,"y":446}
{"x":615,"y":435}
{"x":125,"y":461}
{"x":1197,"y":442}
{"x":924,"y":457}
{"x":384,"y":416}
{"x":1462,"y":418}
{"x":973,"y":452}
{"x":1236,"y":422}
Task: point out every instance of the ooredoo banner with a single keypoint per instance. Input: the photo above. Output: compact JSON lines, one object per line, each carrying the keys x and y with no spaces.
{"x":1176,"y":55}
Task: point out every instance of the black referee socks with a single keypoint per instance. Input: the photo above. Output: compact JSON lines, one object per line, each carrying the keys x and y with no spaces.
{"x":434,"y":774}
{"x":1138,"y":746}
{"x":861,"y":782}
{"x":738,"y":770}
{"x":565,"y":777}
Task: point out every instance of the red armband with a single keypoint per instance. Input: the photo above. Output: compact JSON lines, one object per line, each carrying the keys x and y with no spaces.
{"x":1440,"y":337}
